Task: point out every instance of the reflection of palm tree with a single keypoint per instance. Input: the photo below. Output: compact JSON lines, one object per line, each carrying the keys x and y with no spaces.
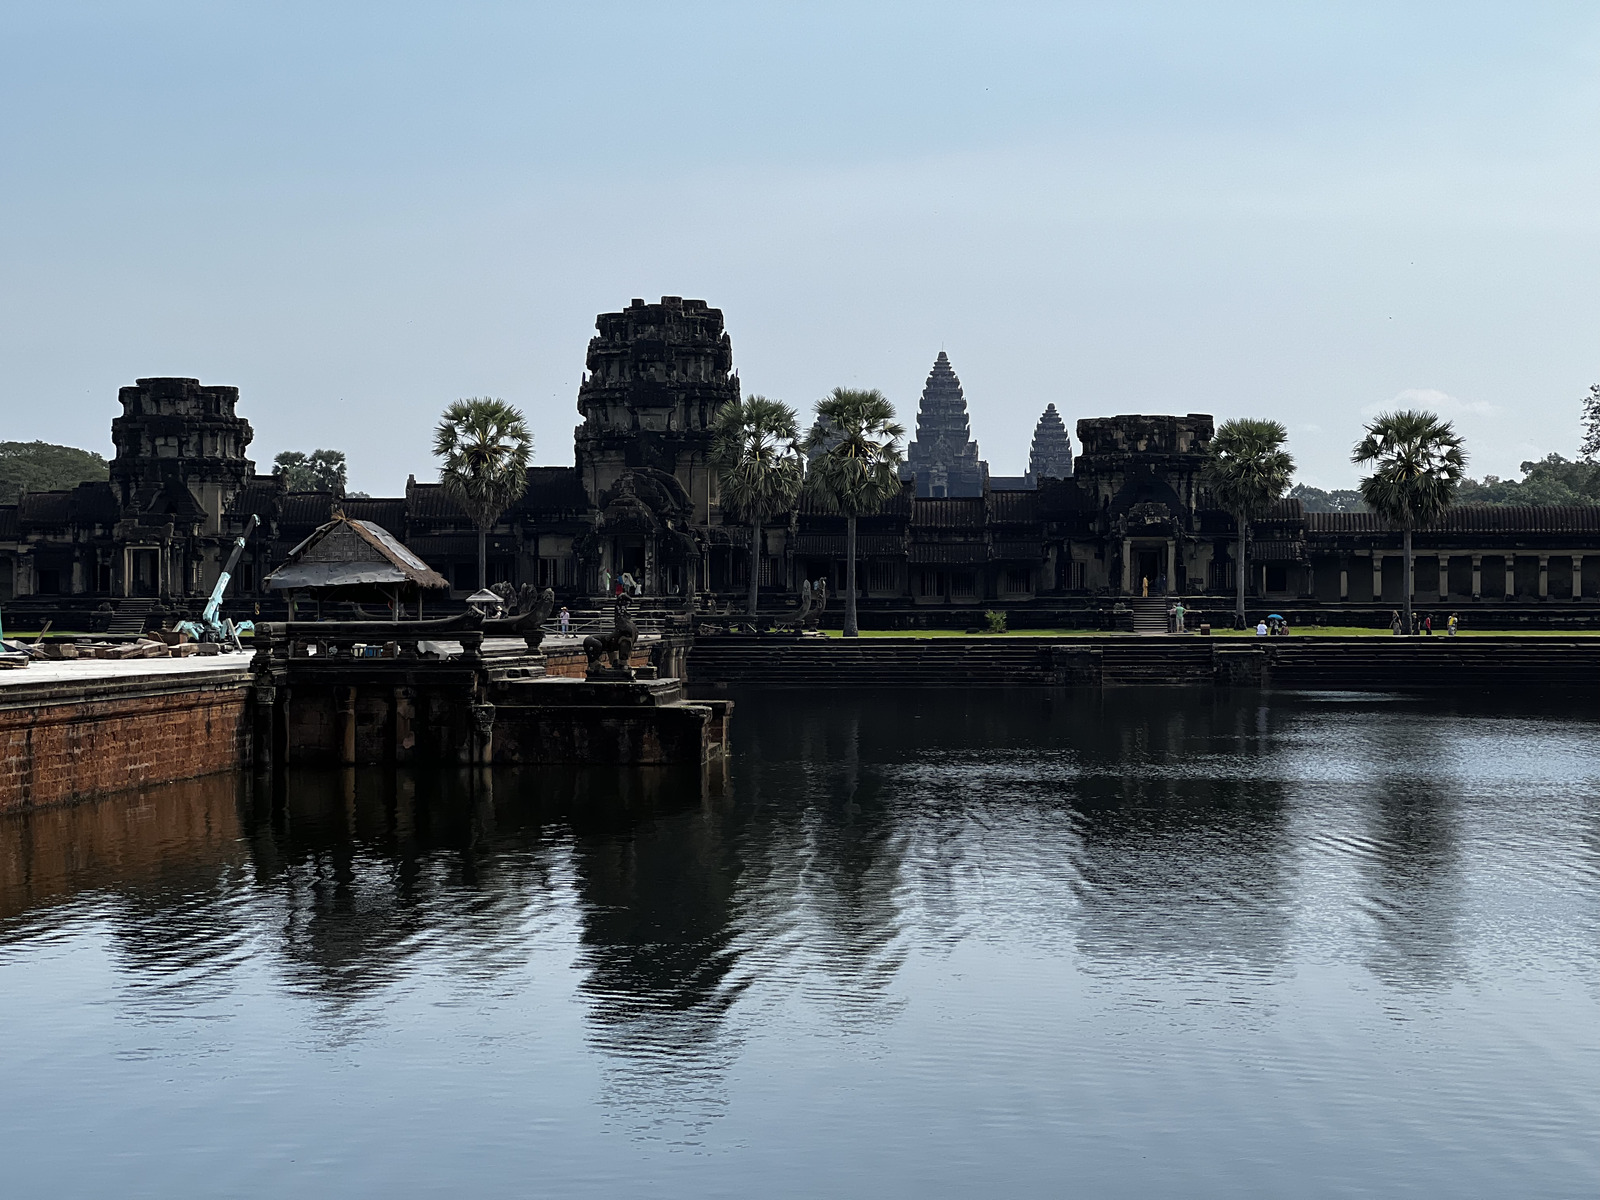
{"x":1412,"y":893}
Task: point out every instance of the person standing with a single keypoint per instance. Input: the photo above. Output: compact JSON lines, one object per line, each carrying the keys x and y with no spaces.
{"x":1146,"y":587}
{"x":605,"y":581}
{"x":1178,"y":614}
{"x":1450,"y":625}
{"x":1427,"y":625}
{"x":566,"y":620}
{"x":1394,"y":622}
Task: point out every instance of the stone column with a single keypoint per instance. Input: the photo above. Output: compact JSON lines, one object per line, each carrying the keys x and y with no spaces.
{"x":1127,"y":567}
{"x":1544,"y":577}
{"x":344,"y":699}
{"x":1444,"y":577}
{"x":1377,"y":577}
{"x":482,"y":734}
{"x":266,"y":699}
{"x":405,"y":716}
{"x":1172,"y":564}
{"x":1344,"y":577}
{"x":1511,"y":576}
{"x":1577,"y":577}
{"x":1477,"y":576}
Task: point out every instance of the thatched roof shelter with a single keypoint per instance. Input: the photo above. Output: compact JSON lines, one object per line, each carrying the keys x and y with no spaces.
{"x":358,"y":562}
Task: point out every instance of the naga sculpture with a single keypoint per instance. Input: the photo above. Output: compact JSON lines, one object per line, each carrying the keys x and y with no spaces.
{"x":618,"y":644}
{"x":533,"y":608}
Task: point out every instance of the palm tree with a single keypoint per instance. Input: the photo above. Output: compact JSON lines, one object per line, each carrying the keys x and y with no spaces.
{"x":1417,"y":463}
{"x":485,"y":446}
{"x":758,"y":468}
{"x":1249,"y":470}
{"x":855,"y":467}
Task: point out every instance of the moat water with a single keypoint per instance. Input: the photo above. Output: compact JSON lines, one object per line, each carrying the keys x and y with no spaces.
{"x":1152,"y":944}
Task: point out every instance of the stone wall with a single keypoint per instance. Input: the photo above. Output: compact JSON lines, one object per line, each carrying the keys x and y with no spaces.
{"x":69,"y":741}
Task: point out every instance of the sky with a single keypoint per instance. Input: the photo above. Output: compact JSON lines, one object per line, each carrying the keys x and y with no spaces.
{"x":359,"y":213}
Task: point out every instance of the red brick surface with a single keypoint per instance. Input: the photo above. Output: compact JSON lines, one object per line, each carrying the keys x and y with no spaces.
{"x":68,"y":750}
{"x":574,"y":664}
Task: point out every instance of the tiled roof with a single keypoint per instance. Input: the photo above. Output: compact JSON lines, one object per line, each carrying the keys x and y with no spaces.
{"x":306,"y":509}
{"x":386,"y":511}
{"x":832,"y":545}
{"x":1277,"y":551}
{"x":259,"y":496}
{"x":1018,"y":549}
{"x":1018,"y":507}
{"x":45,"y":508}
{"x":949,"y":554}
{"x":965,"y":513}
{"x":428,"y":502}
{"x":1472,"y":518}
{"x":554,"y":489}
{"x":8,"y":521}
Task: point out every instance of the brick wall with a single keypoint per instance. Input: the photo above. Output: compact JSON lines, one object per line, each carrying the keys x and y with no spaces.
{"x":61,"y":748}
{"x":574,"y":664}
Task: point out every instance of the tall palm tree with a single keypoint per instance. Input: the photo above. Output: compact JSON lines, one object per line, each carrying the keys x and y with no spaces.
{"x":1248,"y":472}
{"x":855,"y":467}
{"x":485,"y":446}
{"x":758,"y":468}
{"x":1417,"y":462}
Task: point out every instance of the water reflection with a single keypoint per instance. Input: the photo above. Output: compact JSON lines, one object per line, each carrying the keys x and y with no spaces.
{"x":1158,"y":851}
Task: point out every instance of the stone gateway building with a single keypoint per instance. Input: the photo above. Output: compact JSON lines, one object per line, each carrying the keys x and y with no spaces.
{"x":1069,"y":543}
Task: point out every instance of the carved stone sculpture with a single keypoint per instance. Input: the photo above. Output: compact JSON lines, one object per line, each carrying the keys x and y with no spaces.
{"x":820,"y":593}
{"x":617,"y":645}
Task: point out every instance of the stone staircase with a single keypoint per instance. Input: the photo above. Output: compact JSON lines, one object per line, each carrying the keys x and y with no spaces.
{"x":130,"y":617}
{"x":1475,"y":664}
{"x":1149,"y":614}
{"x":1360,"y":664}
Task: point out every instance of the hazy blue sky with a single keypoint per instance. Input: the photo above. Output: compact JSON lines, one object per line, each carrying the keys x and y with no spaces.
{"x":357,"y":213}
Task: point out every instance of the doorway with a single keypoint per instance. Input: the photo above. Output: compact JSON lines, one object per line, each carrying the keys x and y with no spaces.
{"x":1148,"y":564}
{"x":145,"y":574}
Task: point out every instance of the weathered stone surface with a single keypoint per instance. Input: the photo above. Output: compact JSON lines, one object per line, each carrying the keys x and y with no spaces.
{"x":943,"y":458}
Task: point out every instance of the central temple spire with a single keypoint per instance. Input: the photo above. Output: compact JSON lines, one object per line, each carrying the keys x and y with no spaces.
{"x":944,"y":458}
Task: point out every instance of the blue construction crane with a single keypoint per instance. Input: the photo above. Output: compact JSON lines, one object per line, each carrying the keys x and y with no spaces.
{"x":211,"y":628}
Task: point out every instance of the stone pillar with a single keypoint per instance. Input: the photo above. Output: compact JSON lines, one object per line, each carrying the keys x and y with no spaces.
{"x":1444,"y":577}
{"x":405,"y":716}
{"x":1511,"y":576}
{"x":344,"y":699}
{"x":1577,"y":577}
{"x":482,"y":734}
{"x":1127,"y":567}
{"x":266,"y":733}
{"x":1477,"y":576}
{"x":1172,"y":564}
{"x":1377,"y":577}
{"x":1544,"y":577}
{"x":1344,"y":577}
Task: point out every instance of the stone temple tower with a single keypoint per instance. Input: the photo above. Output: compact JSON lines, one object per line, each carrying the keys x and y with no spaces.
{"x":1051,"y":457}
{"x":943,"y":458}
{"x":658,"y":375}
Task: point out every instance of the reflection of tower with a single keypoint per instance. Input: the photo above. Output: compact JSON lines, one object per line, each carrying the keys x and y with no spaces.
{"x":1051,"y":456}
{"x":944,"y":458}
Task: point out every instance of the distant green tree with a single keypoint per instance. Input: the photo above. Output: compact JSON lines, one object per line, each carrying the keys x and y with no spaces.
{"x":1417,"y":462}
{"x":759,"y":471}
{"x":485,"y":445}
{"x":1549,"y":480}
{"x":1247,"y":472}
{"x":319,"y":471}
{"x":43,"y":467}
{"x":1589,"y":448}
{"x":1335,"y":500}
{"x":854,"y":450}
